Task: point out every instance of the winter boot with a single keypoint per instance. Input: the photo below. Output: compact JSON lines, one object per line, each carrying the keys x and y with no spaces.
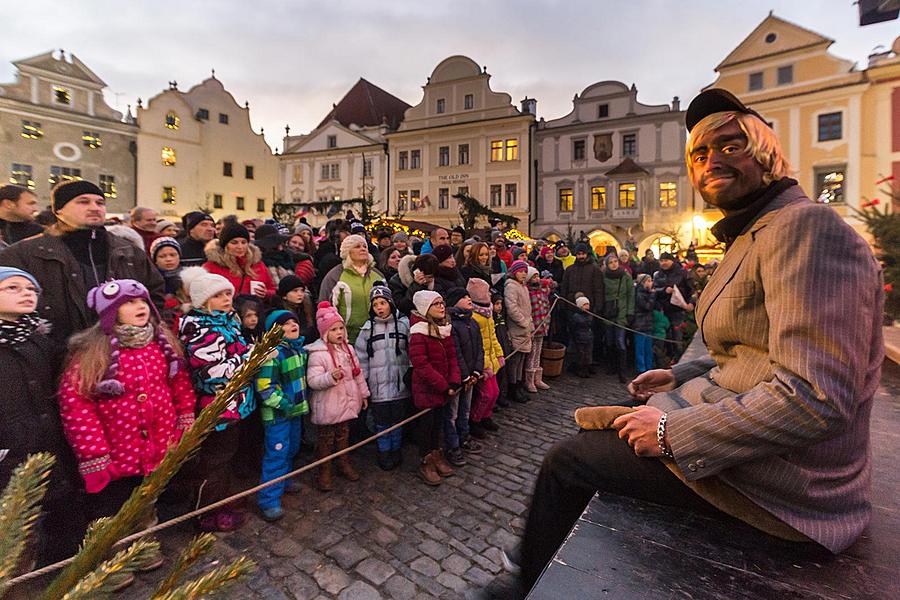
{"x":344,"y":465}
{"x":476,"y":430}
{"x":529,"y":381}
{"x":440,"y":463}
{"x":539,"y":380}
{"x":385,"y":460}
{"x":489,"y":425}
{"x":428,"y":472}
{"x":323,"y":448}
{"x":517,"y":394}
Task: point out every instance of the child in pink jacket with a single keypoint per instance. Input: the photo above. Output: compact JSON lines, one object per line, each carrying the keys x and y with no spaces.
{"x":338,"y":392}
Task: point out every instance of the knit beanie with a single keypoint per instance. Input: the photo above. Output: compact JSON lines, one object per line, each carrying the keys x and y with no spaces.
{"x":423,"y":300}
{"x":427,"y":263}
{"x":289,"y":283}
{"x":7,"y":272}
{"x":547,"y":253}
{"x":380,"y":290}
{"x":192,"y":219}
{"x":458,"y":229}
{"x":666,"y":256}
{"x":280,"y":317}
{"x":531,"y":273}
{"x":455,"y":294}
{"x":161,"y":225}
{"x":67,"y":191}
{"x":163,"y":242}
{"x":517,"y":252}
{"x":479,"y":290}
{"x":202,"y":285}
{"x":233,"y":231}
{"x":106,"y":299}
{"x":357,"y":228}
{"x":442,"y":253}
{"x":582,"y":247}
{"x":350,"y":242}
{"x":641,"y":278}
{"x":326,"y":316}
{"x":302,"y":227}
{"x":582,"y":301}
{"x":400,"y":237}
{"x":610,"y":257}
{"x":518,"y":265}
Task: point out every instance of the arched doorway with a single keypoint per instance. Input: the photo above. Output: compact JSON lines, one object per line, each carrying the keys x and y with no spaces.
{"x":599,"y":240}
{"x":659,"y":243}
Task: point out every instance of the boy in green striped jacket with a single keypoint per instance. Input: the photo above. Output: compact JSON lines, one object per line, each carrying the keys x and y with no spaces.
{"x":281,"y":389}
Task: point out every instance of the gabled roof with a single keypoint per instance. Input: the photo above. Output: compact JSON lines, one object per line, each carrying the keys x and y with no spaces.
{"x":627,"y":167}
{"x":73,"y":68}
{"x":788,"y":36}
{"x":367,"y":105}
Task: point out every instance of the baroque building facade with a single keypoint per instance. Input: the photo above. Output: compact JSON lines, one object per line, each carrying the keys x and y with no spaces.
{"x":612,"y":171}
{"x":462,"y":137}
{"x":197,"y":151}
{"x":55,"y":125}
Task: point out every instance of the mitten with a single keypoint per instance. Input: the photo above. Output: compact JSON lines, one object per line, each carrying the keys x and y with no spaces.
{"x":502,"y":362}
{"x":488,"y":373}
{"x":96,"y":481}
{"x":600,"y":417}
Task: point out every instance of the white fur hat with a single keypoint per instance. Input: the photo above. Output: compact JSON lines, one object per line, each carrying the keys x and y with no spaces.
{"x":352,"y":241}
{"x":203,"y":285}
{"x":423,"y":300}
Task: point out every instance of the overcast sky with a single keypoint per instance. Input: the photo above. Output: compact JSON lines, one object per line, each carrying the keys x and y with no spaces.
{"x":293,"y":59}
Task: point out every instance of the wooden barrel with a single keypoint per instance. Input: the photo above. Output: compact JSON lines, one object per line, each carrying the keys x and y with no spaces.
{"x":553,"y":355}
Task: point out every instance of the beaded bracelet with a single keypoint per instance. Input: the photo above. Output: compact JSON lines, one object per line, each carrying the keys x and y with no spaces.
{"x":661,"y":436}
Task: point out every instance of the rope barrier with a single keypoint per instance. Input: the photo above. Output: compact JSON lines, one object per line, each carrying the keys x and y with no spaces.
{"x":613,"y":323}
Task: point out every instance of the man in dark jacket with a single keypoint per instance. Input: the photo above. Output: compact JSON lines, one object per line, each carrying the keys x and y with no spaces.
{"x":77,"y":254}
{"x":671,"y":275}
{"x":17,"y":210}
{"x":586,"y":277}
{"x":199,"y":229}
{"x":649,"y":264}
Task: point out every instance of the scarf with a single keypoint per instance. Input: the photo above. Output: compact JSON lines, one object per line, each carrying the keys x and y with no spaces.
{"x":18,"y":331}
{"x":617,"y":274}
{"x":279,"y":258}
{"x":485,"y":310}
{"x":132,"y":336}
{"x":729,"y":227}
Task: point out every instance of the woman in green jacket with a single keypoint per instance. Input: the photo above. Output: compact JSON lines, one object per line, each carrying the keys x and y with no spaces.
{"x":618,"y":307}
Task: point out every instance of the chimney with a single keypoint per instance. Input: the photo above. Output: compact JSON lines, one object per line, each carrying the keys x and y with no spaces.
{"x":529,"y":106}
{"x":676,"y":104}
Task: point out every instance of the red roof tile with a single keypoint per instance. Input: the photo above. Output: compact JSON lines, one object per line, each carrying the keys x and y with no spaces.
{"x":366,"y":104}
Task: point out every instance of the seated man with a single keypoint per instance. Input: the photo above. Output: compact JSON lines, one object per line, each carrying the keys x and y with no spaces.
{"x":777,"y":417}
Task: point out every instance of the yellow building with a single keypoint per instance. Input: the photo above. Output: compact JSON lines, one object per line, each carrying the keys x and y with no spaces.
{"x":462,"y":137}
{"x":816,"y":103}
{"x":881,"y":124}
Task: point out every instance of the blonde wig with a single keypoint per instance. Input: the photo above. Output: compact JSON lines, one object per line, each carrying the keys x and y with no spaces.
{"x":762,"y":143}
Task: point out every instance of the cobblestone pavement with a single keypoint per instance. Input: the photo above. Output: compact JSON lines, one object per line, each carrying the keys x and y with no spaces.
{"x":391,"y":536}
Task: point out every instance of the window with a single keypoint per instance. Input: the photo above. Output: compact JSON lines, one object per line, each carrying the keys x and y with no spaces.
{"x":598,"y":197}
{"x":239,"y":203}
{"x":248,"y":171}
{"x":441,"y":105}
{"x":403,"y":160}
{"x":91,"y":139}
{"x":297,"y":174}
{"x":496,"y":195}
{"x":172,"y":121}
{"x":22,"y":175}
{"x":468,"y":101}
{"x":226,"y":169}
{"x":755,"y":81}
{"x":830,"y":185}
{"x":58,"y":174}
{"x":203,"y":114}
{"x":168,"y":156}
{"x":566,"y":200}
{"x":511,"y":194}
{"x":332,"y":141}
{"x":629,"y":144}
{"x":786,"y":75}
{"x":367,"y":167}
{"x":324,"y":172}
{"x":402,"y":199}
{"x":496,"y":150}
{"x":223,"y":118}
{"x":217,"y":201}
{"x":830,"y":127}
{"x":335,"y":171}
{"x":444,"y":156}
{"x":462,"y":190}
{"x":444,"y":198}
{"x":415,"y":159}
{"x":463,"y":154}
{"x":512,"y":149}
{"x":260,"y":205}
{"x":668,"y":195}
{"x":578,"y":150}
{"x":108,"y":185}
{"x":414,"y":200}
{"x":603,"y":111}
{"x":168,"y":195}
{"x":31,"y":130}
{"x":62,"y":95}
{"x":627,"y":192}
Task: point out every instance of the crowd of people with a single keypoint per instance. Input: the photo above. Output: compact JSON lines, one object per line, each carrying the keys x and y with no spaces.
{"x":112,"y":338}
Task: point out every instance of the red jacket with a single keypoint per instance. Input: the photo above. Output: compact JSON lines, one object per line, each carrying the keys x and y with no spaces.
{"x":129,"y":434}
{"x":221,"y":264}
{"x":435,"y":368}
{"x":305,"y":270}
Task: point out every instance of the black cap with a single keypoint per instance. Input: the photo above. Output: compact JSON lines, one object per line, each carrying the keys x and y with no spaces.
{"x":712,"y":101}
{"x":230,"y":232}
{"x":267,"y":237}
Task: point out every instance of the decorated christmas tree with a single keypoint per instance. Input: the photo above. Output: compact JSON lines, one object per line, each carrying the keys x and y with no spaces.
{"x":883,"y":224}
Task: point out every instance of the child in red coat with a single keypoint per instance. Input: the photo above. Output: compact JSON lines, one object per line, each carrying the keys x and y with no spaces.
{"x":436,"y":378}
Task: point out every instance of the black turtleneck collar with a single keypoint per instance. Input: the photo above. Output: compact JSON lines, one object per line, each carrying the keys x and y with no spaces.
{"x":729,"y":227}
{"x":90,"y":247}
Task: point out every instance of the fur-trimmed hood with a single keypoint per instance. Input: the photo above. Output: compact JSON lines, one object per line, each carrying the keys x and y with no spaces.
{"x":216,"y":254}
{"x":405,"y":269}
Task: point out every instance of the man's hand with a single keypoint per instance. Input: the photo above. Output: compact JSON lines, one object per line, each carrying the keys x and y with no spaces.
{"x":646,"y":384}
{"x":639,"y":430}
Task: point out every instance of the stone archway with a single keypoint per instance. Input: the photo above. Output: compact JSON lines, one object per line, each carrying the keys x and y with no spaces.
{"x":658,"y":242}
{"x":601,"y":239}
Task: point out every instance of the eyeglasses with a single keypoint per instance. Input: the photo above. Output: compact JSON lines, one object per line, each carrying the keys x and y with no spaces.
{"x":438,"y":303}
{"x":18,"y":289}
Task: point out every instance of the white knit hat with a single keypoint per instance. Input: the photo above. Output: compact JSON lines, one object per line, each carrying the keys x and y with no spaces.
{"x":423,"y":300}
{"x":352,"y":241}
{"x":203,"y":285}
{"x":531,"y":273}
{"x":582,"y":301}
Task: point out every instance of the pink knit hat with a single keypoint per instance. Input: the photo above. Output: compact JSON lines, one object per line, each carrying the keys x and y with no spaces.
{"x":518,"y":265}
{"x":479,"y":290}
{"x":326,"y":316}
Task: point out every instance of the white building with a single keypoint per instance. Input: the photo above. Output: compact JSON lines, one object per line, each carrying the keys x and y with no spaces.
{"x":344,"y":158}
{"x":197,"y":150}
{"x":613,"y":170}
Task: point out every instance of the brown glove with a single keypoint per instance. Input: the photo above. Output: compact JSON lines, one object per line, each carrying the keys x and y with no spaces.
{"x":600,"y":417}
